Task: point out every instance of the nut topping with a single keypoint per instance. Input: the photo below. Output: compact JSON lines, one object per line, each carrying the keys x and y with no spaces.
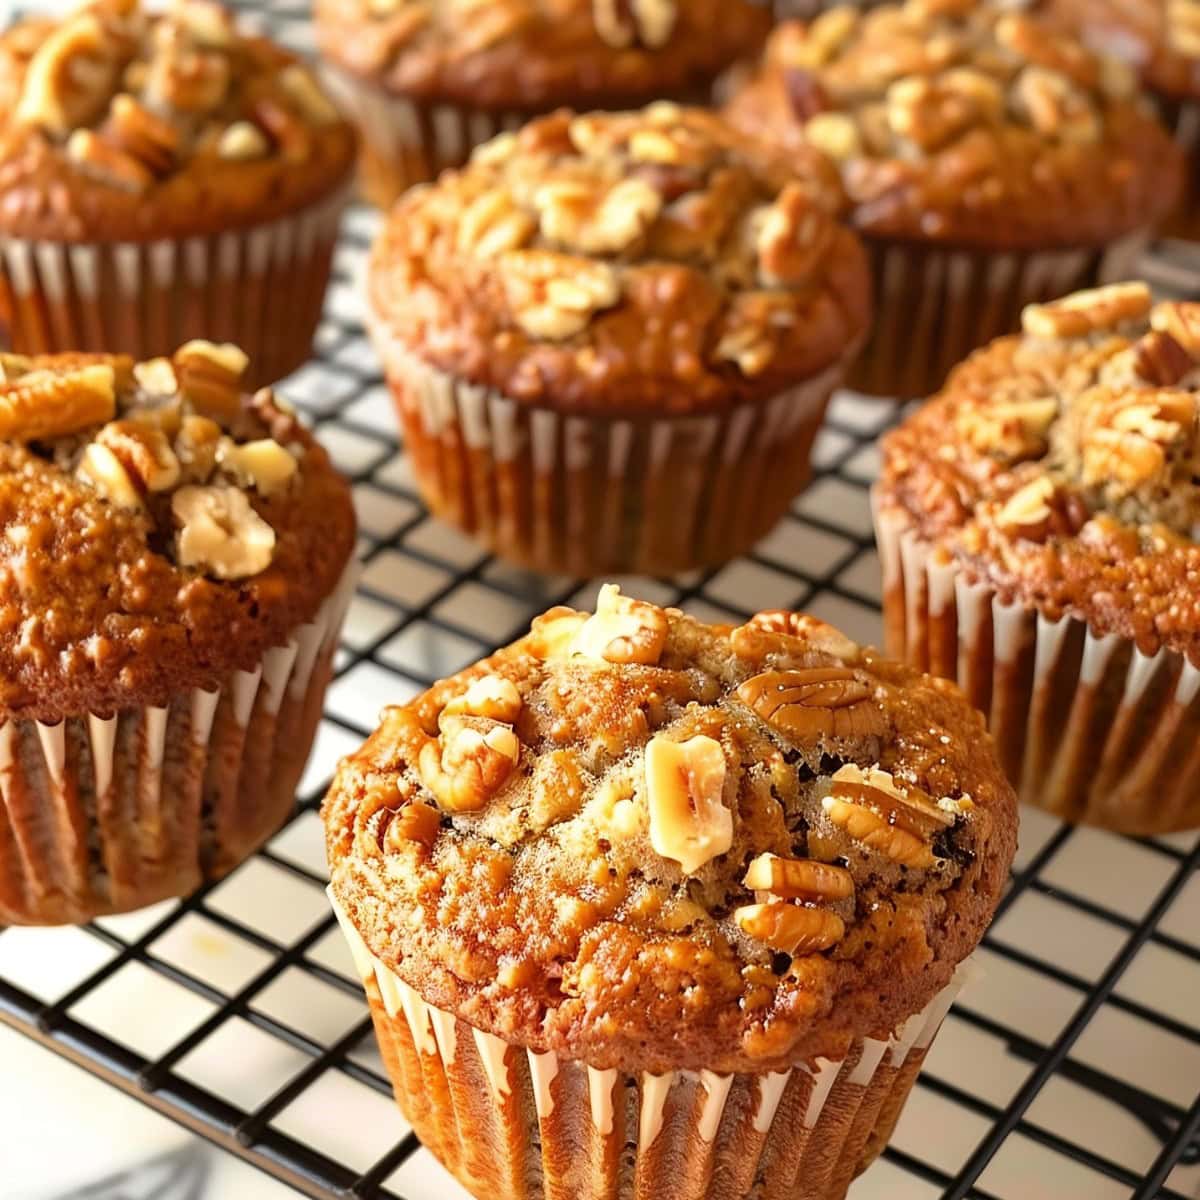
{"x":210,"y":378}
{"x":689,"y":823}
{"x":762,"y":634}
{"x":68,"y":78}
{"x":415,"y":822}
{"x":1093,"y":310}
{"x":103,"y":471}
{"x":819,"y":702}
{"x":798,"y":878}
{"x":469,"y":762}
{"x":790,"y":928}
{"x":1028,"y":509}
{"x":553,"y":634}
{"x":144,"y":451}
{"x":490,"y":696}
{"x":553,"y":296}
{"x":622,"y":22}
{"x":220,"y":533}
{"x":1180,"y":320}
{"x":622,"y":630}
{"x":45,"y":404}
{"x":264,"y":464}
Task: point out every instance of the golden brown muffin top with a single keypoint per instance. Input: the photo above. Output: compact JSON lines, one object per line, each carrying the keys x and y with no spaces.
{"x":118,"y":124}
{"x":1159,"y":38}
{"x":158,"y":528}
{"x":531,"y":55}
{"x":1063,"y":465}
{"x":650,"y":843}
{"x":624,"y":261}
{"x":967,"y":123}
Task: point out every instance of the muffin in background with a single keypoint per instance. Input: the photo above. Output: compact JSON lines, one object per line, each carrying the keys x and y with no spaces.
{"x":646,"y":907}
{"x":427,"y":82}
{"x":1037,"y":526}
{"x":175,"y":560}
{"x":989,"y":162}
{"x":164,"y":177}
{"x":612,"y":337}
{"x":1160,"y":39}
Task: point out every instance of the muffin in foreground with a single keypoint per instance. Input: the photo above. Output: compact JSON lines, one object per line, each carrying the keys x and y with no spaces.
{"x":426,"y":83}
{"x":164,"y":177}
{"x":989,"y":163}
{"x":174,"y":564}
{"x":611,"y":338}
{"x":1037,"y":525}
{"x":648,"y":907}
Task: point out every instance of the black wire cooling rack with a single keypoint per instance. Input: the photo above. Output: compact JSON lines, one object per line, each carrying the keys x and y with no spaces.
{"x":1071,"y":1072}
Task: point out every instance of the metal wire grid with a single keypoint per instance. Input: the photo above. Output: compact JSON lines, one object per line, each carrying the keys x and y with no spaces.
{"x":1074,"y":1071}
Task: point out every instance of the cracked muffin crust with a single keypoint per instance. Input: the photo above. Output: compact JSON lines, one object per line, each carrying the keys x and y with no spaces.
{"x":966,"y":124}
{"x":125,"y":125}
{"x":624,"y":262}
{"x":648,"y":843}
{"x":1065,"y":469}
{"x":158,"y":529}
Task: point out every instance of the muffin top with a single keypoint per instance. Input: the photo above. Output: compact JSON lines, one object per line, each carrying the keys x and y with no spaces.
{"x":118,"y":124}
{"x":967,"y":123}
{"x":158,"y":529}
{"x":621,"y":261}
{"x":1063,"y":465}
{"x":650,"y":843}
{"x":1160,"y":38}
{"x":531,"y":55}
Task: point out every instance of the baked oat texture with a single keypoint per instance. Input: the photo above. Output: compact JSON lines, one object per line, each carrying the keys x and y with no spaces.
{"x":966,"y":123}
{"x":158,"y":528}
{"x":116,"y":123}
{"x":1063,"y":465}
{"x":610,"y":261}
{"x":649,"y":843}
{"x":531,"y":55}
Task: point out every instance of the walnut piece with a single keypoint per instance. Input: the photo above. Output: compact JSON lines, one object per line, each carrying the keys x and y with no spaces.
{"x":144,"y":451}
{"x":1027,"y":510}
{"x":44,"y":404}
{"x":70,"y":77}
{"x":573,"y":215}
{"x":415,"y":822}
{"x":220,"y":532}
{"x":805,"y":705}
{"x":1180,"y":319}
{"x":790,"y":928}
{"x":552,"y":635}
{"x":104,"y":472}
{"x":798,"y":878}
{"x":469,"y":762}
{"x":263,"y":464}
{"x":689,"y":824}
{"x":490,"y":696}
{"x":1129,"y":438}
{"x":243,"y":141}
{"x":553,"y":296}
{"x":622,"y":630}
{"x":622,"y":22}
{"x":210,"y":378}
{"x":1088,"y":311}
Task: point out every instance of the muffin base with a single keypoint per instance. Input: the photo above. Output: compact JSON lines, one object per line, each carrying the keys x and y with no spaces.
{"x":261,"y":288}
{"x":935,"y":305}
{"x":1086,"y":726}
{"x":581,"y":495}
{"x":103,"y":814}
{"x":512,"y":1124}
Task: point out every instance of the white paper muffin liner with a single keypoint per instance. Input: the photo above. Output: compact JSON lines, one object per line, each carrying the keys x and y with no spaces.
{"x":406,"y":142}
{"x":934,"y":306}
{"x":1086,"y":726}
{"x":261,"y":288}
{"x":512,"y":1124}
{"x":106,"y":813}
{"x":586,"y":494}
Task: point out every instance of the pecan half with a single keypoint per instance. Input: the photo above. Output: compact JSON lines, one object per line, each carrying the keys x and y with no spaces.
{"x":798,"y":878}
{"x":50,"y":404}
{"x":818,"y":702}
{"x":790,"y":928}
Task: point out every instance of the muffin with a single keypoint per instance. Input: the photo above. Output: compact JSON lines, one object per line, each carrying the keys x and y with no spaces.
{"x":174,"y":565}
{"x":1160,"y":39}
{"x":645,"y":906}
{"x":989,"y":163}
{"x":1037,"y":526}
{"x":604,"y":326}
{"x":428,"y":80}
{"x":163,"y":178}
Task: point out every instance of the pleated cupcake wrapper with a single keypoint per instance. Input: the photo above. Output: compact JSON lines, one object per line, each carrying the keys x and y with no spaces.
{"x":934,"y":306}
{"x":1087,"y":726}
{"x":261,"y":288}
{"x":1183,"y":119}
{"x":103,"y":813}
{"x":406,"y":142}
{"x":513,"y":1124}
{"x":585,"y":494}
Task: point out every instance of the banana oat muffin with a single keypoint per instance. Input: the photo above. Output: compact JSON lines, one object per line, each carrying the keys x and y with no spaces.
{"x":428,"y":80}
{"x":600,"y":330}
{"x":1038,"y":528}
{"x":164,"y":177}
{"x":989,"y":162}
{"x":173,"y":567}
{"x":647,"y":907}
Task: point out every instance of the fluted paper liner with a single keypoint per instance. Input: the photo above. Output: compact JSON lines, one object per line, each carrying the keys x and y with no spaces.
{"x":587,"y":494}
{"x":934,"y":305}
{"x":1086,"y":726}
{"x":513,"y":1124}
{"x":261,"y":288}
{"x":405,"y":141}
{"x":106,"y":813}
